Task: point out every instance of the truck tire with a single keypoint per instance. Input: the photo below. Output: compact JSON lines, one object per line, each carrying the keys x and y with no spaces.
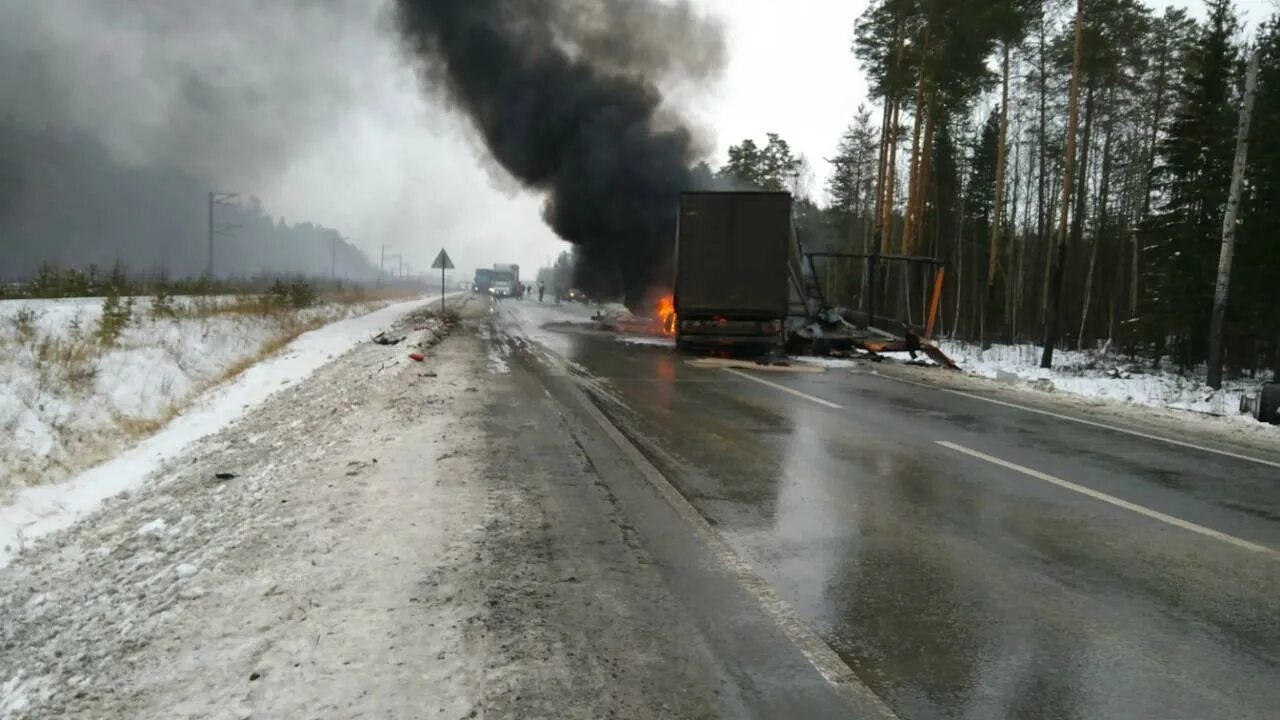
{"x":1269,"y":404}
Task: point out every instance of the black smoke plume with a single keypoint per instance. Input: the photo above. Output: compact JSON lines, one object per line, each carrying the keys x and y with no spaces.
{"x":564,"y":95}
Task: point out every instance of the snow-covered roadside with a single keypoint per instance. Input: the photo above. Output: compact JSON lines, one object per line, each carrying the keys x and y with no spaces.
{"x":295,"y":564}
{"x":39,"y":510}
{"x":67,"y":402}
{"x":1101,"y":376}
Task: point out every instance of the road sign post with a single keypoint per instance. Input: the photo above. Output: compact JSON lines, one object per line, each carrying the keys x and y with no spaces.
{"x":442,"y":263}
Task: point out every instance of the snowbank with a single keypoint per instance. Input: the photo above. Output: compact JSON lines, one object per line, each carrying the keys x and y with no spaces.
{"x":42,"y":509}
{"x":67,"y":402}
{"x":1103,"y":376}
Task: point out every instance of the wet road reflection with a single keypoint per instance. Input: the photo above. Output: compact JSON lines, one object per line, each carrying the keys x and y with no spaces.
{"x":953,"y":589}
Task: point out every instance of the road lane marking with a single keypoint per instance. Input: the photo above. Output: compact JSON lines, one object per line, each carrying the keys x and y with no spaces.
{"x":1091,"y":423}
{"x":784,"y":389}
{"x":829,"y":665}
{"x":1112,"y":500}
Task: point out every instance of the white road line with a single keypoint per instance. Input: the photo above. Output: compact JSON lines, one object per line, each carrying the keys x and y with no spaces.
{"x":819,"y":654}
{"x":1112,"y":500}
{"x":1091,"y":423}
{"x":784,"y":389}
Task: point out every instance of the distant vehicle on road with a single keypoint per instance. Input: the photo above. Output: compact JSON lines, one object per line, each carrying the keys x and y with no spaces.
{"x":502,"y":289}
{"x":731,"y":282}
{"x":484,"y":280}
{"x":509,"y":268}
{"x":576,"y":295}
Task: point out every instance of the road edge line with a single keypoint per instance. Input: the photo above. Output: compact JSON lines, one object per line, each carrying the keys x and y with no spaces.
{"x":820,"y":655}
{"x":1082,"y":421}
{"x":1112,"y":500}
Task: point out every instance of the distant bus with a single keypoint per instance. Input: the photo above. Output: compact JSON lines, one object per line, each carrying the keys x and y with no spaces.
{"x":484,"y":280}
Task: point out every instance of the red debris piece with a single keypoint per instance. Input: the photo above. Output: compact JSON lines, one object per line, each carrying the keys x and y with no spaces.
{"x":417,"y":357}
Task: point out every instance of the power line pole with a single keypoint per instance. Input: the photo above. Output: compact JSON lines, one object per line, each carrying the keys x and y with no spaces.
{"x":1229,"y":228}
{"x":382,"y":264}
{"x":399,"y":271}
{"x":215,"y":199}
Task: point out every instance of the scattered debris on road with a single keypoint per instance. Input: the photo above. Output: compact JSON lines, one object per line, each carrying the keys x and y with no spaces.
{"x":383,"y":338}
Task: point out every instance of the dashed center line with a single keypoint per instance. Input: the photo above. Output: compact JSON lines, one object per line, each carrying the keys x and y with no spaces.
{"x":785,"y":389}
{"x":1112,"y":500}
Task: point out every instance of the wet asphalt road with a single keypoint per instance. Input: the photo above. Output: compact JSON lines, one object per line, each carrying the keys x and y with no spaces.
{"x":1033,"y":567}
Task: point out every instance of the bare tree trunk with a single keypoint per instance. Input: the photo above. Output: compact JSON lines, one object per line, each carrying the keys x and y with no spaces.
{"x":890,"y":184}
{"x":1104,"y":191}
{"x":1157,"y":119}
{"x":915,"y":210}
{"x":1223,"y":285}
{"x":913,"y":183}
{"x":1082,"y":170}
{"x":885,"y":118}
{"x":960,"y":208}
{"x":891,"y":159}
{"x":926,"y":169}
{"x":1020,"y":292}
{"x":1069,"y":159}
{"x":1046,"y":279}
{"x":1042,"y":209}
{"x":1001,"y":160}
{"x":993,"y":246}
{"x":1014,"y":276}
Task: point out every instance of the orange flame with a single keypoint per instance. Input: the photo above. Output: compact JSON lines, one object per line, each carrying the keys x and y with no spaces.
{"x":667,"y":314}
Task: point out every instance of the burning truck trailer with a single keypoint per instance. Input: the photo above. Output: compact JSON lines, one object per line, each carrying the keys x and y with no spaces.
{"x":730,"y":285}
{"x":744,"y":285}
{"x":729,"y":292}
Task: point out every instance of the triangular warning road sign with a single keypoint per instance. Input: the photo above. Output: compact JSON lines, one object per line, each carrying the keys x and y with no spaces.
{"x":442,"y":261}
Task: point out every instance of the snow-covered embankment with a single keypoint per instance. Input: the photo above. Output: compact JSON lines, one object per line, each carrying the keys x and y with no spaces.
{"x":157,"y":368}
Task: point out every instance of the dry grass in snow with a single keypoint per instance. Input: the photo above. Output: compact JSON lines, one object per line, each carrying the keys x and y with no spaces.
{"x":71,"y":397}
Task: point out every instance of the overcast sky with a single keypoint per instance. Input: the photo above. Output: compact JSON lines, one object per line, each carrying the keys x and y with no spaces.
{"x":352,"y":142}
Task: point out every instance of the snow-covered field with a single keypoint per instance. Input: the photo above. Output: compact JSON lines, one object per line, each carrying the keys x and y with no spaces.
{"x":68,"y":402}
{"x":1101,"y":376}
{"x":255,"y":567}
{"x":28,"y":513}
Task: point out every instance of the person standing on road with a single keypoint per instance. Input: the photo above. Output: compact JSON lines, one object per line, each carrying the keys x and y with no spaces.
{"x":542,"y":289}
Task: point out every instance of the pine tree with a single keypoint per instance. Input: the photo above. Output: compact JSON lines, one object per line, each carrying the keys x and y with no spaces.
{"x":853,"y":168}
{"x":773,"y":167}
{"x":1253,"y":326}
{"x":1059,"y":252}
{"x":1009,"y":21}
{"x":1192,"y":178}
{"x":979,"y":215}
{"x":745,"y":164}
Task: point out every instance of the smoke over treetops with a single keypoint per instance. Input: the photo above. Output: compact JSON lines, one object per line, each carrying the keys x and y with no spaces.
{"x":564,"y":94}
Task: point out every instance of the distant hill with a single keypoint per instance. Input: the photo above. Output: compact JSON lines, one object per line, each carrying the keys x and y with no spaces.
{"x":66,"y":201}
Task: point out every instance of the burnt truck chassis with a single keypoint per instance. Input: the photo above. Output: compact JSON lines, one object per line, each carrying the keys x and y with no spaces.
{"x":826,"y":329}
{"x":725,"y":331}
